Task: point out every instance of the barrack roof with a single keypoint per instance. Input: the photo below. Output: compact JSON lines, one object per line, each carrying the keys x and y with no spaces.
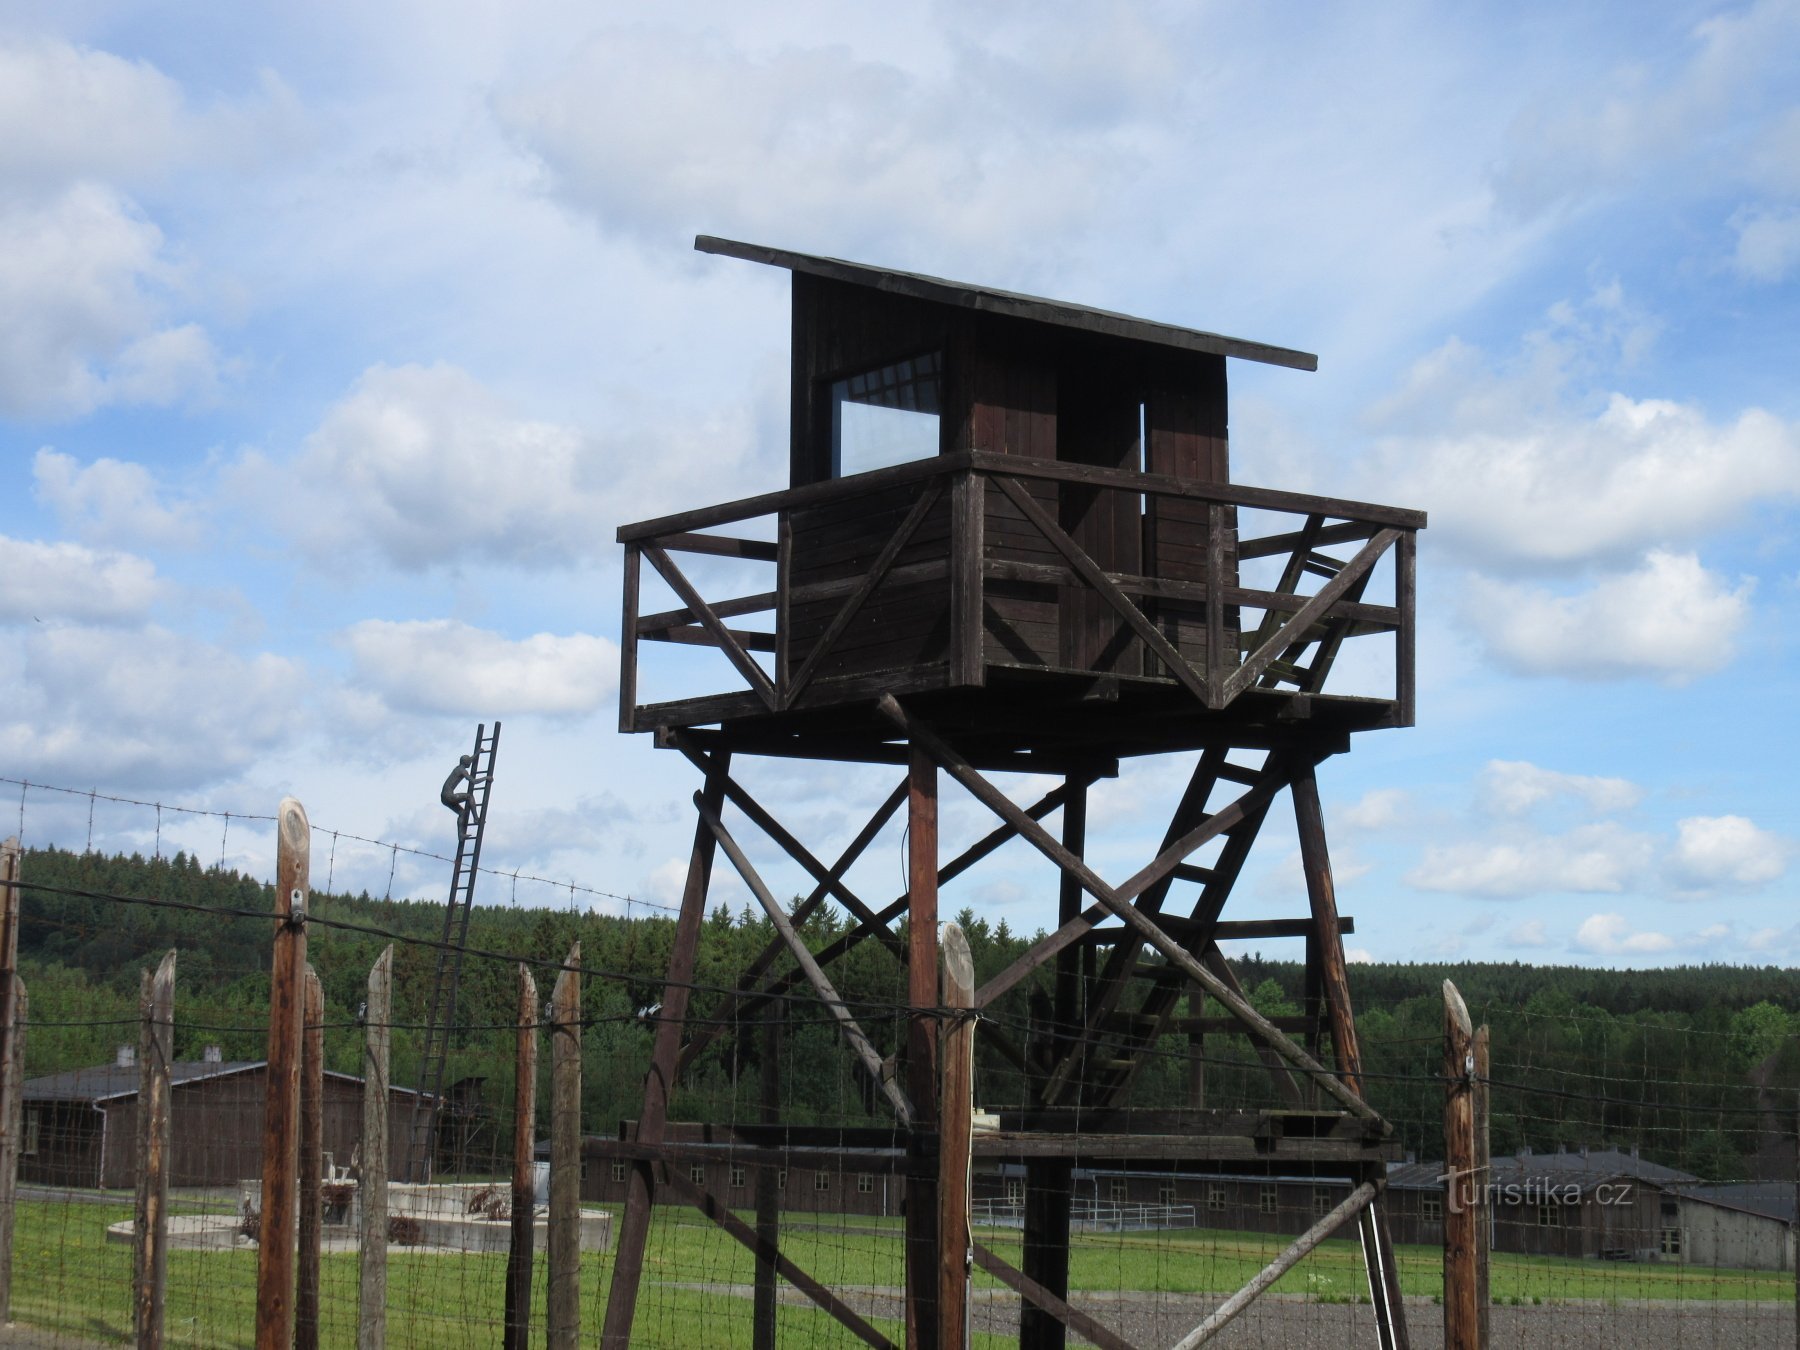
{"x":1032,"y":307}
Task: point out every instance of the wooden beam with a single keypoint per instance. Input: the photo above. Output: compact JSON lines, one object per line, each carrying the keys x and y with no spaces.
{"x":754,"y":675}
{"x":1321,"y":893}
{"x":1056,"y":1307}
{"x":853,"y":604}
{"x":921,"y":1230}
{"x":1484,"y":1175}
{"x":1462,"y":1322}
{"x":763,"y":1320}
{"x":628,"y":641}
{"x":150,"y":1226}
{"x":1290,"y":1257}
{"x":563,"y":1257}
{"x":1259,"y":1026}
{"x":722,"y":546}
{"x":376,"y":1156}
{"x":309,"y":1169}
{"x":720,"y":1213}
{"x":803,"y":957}
{"x":956,"y":1105}
{"x":659,"y":1082}
{"x":276,"y":1239}
{"x":517,"y":1327}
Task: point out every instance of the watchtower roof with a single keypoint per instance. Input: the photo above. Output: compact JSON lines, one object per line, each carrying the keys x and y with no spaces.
{"x":1037,"y":309}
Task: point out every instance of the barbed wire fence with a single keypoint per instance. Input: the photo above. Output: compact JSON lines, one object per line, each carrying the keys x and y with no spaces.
{"x":1625,"y":1202}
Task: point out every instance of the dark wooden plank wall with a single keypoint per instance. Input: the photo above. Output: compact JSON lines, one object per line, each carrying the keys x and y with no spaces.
{"x":903,"y":623}
{"x":1097,"y":422}
{"x":1186,"y":435}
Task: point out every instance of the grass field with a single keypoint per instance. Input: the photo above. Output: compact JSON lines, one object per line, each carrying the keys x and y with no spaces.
{"x":69,"y":1278}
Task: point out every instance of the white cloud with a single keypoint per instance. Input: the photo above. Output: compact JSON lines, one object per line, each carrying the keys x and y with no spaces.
{"x":1531,"y":933}
{"x":1514,"y":787}
{"x":1378,"y":809}
{"x":109,"y":500}
{"x":1713,"y":852}
{"x":1528,"y":485}
{"x":1768,"y":245}
{"x":1602,"y":857}
{"x":44,"y":582}
{"x":1359,"y":956}
{"x":68,"y":113}
{"x":1680,"y":126}
{"x":425,"y":466}
{"x":81,"y":282}
{"x":142,"y":707}
{"x":442,"y":666}
{"x":1612,"y":935}
{"x":1671,"y":619}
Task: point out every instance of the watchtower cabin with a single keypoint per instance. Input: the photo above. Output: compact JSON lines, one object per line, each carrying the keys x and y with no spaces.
{"x":1010,"y":541}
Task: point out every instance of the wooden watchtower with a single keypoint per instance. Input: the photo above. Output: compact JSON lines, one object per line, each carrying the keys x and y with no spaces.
{"x":1010,"y":542}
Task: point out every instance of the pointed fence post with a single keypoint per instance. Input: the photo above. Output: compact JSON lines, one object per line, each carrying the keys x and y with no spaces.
{"x":1462,"y":1324}
{"x":517,"y":1335}
{"x":281,"y":1113}
{"x":956,"y":1048}
{"x":309,"y":1172}
{"x":377,"y":1158}
{"x":150,"y":1228}
{"x":564,"y":1238}
{"x":12,"y":1062}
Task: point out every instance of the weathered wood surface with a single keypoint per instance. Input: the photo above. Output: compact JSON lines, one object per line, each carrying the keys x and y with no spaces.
{"x":564,"y":1236}
{"x":1291,"y":1255}
{"x":309,"y":1171}
{"x":921,"y":1233}
{"x":277,"y":1238}
{"x":956,"y":1105}
{"x":1484,"y":1177}
{"x":517,"y":1331}
{"x":803,"y":957}
{"x":634,"y":1226}
{"x":12,"y":1061}
{"x":768,"y":1194}
{"x":150,"y":1224}
{"x":1462,"y":1322}
{"x":374,"y":1157}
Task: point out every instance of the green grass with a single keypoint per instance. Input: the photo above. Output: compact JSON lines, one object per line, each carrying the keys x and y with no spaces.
{"x":69,"y":1278}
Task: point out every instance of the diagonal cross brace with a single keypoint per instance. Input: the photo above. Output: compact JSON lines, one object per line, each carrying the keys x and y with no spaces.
{"x":821,"y":983}
{"x":754,"y":674}
{"x":1172,"y":951}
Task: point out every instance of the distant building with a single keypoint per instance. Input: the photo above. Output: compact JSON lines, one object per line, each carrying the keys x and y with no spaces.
{"x":1601,"y":1203}
{"x":1748,"y":1225}
{"x":79,"y":1127}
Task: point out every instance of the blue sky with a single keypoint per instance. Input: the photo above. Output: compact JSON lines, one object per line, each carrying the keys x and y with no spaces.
{"x":340,"y":338}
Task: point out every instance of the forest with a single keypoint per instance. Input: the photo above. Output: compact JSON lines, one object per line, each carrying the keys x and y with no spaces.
{"x":1697,"y":1066}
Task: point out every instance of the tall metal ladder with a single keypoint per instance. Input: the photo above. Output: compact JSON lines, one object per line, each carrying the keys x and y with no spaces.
{"x":441,"y":1018}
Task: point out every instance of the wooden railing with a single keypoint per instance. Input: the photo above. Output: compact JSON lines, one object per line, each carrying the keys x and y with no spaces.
{"x":1238,"y":638}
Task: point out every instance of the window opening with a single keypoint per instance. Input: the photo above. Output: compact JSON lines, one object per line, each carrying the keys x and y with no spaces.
{"x":886,"y":416}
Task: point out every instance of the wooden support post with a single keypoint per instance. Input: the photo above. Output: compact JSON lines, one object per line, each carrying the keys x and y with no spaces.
{"x":12,"y":1062}
{"x":564,"y":1255}
{"x":634,"y":1225}
{"x":956,"y":1107}
{"x":309,"y":1171}
{"x":377,"y":1158}
{"x":281,"y":1113}
{"x":768,"y":1192}
{"x":1462,"y":1330}
{"x":150,"y":1228}
{"x":1358,"y":1200}
{"x":1483,"y":1176}
{"x":921,"y":1047}
{"x":517,"y":1334}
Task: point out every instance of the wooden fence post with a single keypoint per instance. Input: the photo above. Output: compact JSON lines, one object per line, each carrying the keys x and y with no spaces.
{"x":1462,"y":1325}
{"x":376,"y":1156}
{"x":12,"y":1062}
{"x":150,"y":1228}
{"x":921,"y":1045}
{"x":517,"y":1334}
{"x":956,"y":1107}
{"x":1484,"y":1214}
{"x":281,"y":1114}
{"x":309,"y":1172}
{"x":564,"y":1242}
